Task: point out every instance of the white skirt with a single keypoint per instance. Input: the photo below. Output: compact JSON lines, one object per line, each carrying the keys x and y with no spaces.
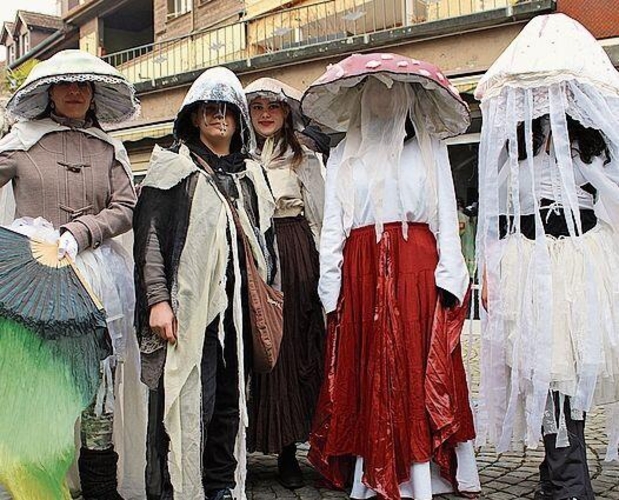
{"x":584,"y":307}
{"x":553,"y":326}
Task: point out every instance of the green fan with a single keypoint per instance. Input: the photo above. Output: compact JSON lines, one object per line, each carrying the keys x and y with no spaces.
{"x":52,"y":338}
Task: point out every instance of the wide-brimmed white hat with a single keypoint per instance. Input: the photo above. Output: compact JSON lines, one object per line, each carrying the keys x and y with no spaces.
{"x":114,"y":96}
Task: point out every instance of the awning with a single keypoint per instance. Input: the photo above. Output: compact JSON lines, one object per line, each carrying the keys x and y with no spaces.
{"x":466,"y":84}
{"x":139,"y":161}
{"x":143,"y":132}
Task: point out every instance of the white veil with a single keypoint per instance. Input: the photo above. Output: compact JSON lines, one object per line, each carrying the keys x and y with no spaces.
{"x":375,"y":140}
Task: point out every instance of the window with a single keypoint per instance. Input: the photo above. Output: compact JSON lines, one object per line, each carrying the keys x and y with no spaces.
{"x":12,"y":53}
{"x":24,"y":44}
{"x":178,"y":7}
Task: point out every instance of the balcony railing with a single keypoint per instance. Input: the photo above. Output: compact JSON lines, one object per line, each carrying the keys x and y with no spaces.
{"x":274,"y":32}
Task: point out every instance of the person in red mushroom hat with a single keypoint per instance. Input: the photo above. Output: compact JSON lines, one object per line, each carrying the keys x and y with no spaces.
{"x":393,"y":415}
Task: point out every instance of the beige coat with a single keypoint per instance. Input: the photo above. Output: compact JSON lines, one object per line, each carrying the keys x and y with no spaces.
{"x":74,"y":180}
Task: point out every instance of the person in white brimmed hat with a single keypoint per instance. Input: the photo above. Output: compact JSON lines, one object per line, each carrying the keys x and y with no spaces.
{"x":283,"y":401}
{"x":65,"y":178}
{"x":393,"y":282}
{"x":547,"y":247}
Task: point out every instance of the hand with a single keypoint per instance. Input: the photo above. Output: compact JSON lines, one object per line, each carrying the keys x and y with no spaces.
{"x":67,"y":246}
{"x":448,"y":300}
{"x":163,"y":322}
{"x":484,"y":291}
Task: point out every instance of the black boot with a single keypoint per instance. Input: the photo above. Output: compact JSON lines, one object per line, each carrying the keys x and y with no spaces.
{"x":98,"y":474}
{"x":224,"y":494}
{"x":290,"y":475}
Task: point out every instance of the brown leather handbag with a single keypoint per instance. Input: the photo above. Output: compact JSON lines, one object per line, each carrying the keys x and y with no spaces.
{"x":266,"y":308}
{"x":266,"y":304}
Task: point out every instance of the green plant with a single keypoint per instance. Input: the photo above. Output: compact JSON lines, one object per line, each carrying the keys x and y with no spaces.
{"x":13,"y":78}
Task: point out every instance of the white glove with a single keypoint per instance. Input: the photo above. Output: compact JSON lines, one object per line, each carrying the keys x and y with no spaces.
{"x":67,"y":246}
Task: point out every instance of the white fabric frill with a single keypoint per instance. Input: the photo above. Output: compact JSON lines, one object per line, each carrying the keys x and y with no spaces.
{"x":425,"y":478}
{"x":584,"y":315}
{"x":508,"y":388}
{"x":108,"y":270}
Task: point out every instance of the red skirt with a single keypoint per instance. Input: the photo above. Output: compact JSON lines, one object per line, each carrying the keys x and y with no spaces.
{"x":383,"y":357}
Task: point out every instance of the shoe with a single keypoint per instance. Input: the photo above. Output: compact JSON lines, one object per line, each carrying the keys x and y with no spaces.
{"x":290,"y":475}
{"x":543,"y":492}
{"x":224,"y":494}
{"x":473,"y":495}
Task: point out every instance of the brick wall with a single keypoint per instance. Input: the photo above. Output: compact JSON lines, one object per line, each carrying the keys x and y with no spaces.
{"x":205,"y":13}
{"x":160,"y":12}
{"x":600,"y":17}
{"x":213,"y":12}
{"x":36,"y":37}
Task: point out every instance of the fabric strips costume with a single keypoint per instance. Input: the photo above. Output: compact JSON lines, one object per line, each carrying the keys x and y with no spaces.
{"x":183,"y":230}
{"x":65,"y":175}
{"x":552,"y":321}
{"x":282,"y":402}
{"x":389,"y":247}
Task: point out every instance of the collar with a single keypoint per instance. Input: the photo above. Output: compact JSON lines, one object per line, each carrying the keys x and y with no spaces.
{"x":232,"y":163}
{"x":71,"y":122}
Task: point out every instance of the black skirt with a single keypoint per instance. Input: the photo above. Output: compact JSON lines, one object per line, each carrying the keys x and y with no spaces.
{"x":282,"y":402}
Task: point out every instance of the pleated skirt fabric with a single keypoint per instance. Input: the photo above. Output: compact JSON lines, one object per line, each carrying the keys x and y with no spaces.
{"x":373,"y":401}
{"x":282,"y":402}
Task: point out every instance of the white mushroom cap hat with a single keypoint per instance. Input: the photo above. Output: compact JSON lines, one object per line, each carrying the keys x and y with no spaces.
{"x":551,"y":49}
{"x":114,"y":96}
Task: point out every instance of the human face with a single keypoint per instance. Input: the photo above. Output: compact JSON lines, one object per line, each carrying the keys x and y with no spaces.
{"x":267,"y":116}
{"x":216,"y":122}
{"x":71,"y":99}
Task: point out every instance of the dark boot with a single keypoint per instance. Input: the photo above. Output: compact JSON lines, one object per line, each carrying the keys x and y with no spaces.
{"x":223,"y":494}
{"x":98,"y":474}
{"x":544,"y":490}
{"x":290,"y":475}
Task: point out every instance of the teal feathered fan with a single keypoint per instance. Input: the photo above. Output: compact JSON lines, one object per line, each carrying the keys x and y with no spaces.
{"x":52,"y":338}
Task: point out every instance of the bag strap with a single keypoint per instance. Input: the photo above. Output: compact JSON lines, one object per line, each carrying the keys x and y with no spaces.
{"x":235,"y":214}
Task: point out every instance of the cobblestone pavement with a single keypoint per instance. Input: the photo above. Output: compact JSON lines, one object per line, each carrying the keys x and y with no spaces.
{"x":504,"y":476}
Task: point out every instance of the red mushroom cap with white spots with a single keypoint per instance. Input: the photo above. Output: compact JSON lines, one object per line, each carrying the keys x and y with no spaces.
{"x":326,"y":99}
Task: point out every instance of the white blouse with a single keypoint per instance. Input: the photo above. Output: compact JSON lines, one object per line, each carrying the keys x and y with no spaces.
{"x":422,"y":203}
{"x":299,"y":191}
{"x":547,"y":180}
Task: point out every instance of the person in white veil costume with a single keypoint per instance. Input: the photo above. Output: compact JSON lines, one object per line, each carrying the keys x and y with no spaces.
{"x":65,"y":180}
{"x":547,"y":246}
{"x":393,"y":283}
